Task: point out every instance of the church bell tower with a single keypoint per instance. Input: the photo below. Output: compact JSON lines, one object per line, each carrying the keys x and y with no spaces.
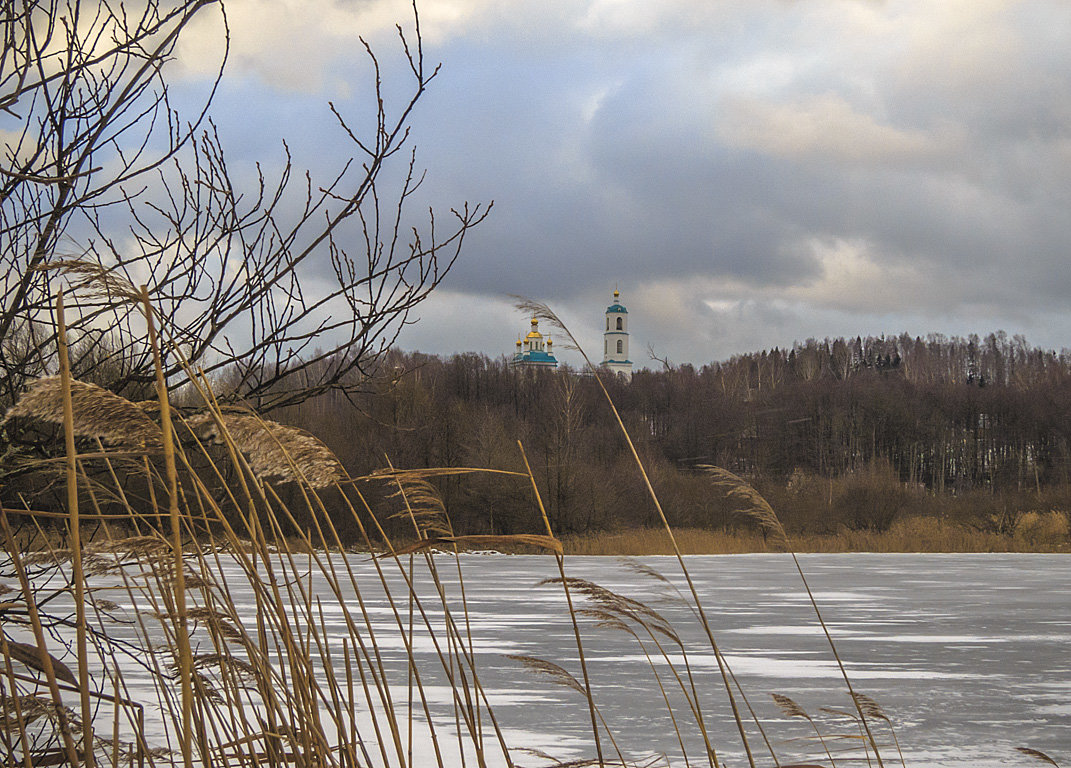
{"x":615,"y":338}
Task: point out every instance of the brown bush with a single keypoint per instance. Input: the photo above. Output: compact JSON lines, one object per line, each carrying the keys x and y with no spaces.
{"x":871,"y":500}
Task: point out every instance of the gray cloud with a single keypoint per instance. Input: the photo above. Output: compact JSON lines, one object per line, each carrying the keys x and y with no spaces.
{"x":750,"y":173}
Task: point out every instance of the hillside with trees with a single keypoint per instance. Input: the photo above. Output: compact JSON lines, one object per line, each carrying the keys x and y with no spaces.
{"x":844,"y":433}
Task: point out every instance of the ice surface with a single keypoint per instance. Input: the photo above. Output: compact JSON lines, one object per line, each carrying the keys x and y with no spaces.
{"x":966,"y":653}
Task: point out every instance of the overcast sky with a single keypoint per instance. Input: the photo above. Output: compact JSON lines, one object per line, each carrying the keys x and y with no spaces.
{"x":748,"y":172}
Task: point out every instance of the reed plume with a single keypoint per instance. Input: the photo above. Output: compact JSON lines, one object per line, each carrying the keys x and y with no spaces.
{"x":758,"y":509}
{"x":754,"y":507}
{"x":134,"y":546}
{"x":422,"y":505}
{"x":97,"y":412}
{"x":273,"y":450}
{"x":94,"y":280}
{"x":789,"y":706}
{"x":872,"y":709}
{"x":558,"y":675}
{"x":792,"y":709}
{"x":1037,"y":755}
{"x":30,"y":709}
{"x":618,"y":604}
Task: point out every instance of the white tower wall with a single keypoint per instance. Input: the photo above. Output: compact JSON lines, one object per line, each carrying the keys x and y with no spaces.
{"x":615,"y":338}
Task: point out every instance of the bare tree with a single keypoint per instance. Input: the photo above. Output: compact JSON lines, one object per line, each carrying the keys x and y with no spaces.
{"x":101,"y":180}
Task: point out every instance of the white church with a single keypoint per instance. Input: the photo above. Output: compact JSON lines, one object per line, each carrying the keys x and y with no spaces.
{"x":615,"y":338}
{"x":536,"y":351}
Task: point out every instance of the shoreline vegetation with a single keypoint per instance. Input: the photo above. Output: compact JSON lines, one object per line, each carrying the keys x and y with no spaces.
{"x":915,"y":535}
{"x":1040,"y":535}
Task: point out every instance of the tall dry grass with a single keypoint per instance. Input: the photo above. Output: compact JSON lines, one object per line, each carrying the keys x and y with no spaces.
{"x":1036,"y":533}
{"x":302,"y":679}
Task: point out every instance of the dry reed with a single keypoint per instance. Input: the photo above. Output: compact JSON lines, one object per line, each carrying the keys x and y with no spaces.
{"x":273,"y":450}
{"x":97,"y":412}
{"x":1037,"y":755}
{"x":907,"y":535}
{"x":754,"y":506}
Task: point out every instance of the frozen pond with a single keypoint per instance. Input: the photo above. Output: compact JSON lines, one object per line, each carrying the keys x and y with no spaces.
{"x":967,"y":654}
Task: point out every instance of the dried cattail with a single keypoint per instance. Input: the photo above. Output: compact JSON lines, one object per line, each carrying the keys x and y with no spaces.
{"x":97,"y":412}
{"x":273,"y":449}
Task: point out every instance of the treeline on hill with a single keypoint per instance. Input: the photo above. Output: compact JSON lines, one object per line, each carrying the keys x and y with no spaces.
{"x":837,"y":434}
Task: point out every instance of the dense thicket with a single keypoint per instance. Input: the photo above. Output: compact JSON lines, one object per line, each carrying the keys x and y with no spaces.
{"x":835,"y":432}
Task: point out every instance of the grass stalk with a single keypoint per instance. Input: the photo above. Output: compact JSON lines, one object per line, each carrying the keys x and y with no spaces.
{"x":609,"y":620}
{"x":792,"y":709}
{"x":42,"y":647}
{"x":20,"y":720}
{"x":75,"y":528}
{"x":761,"y":512}
{"x":185,"y":654}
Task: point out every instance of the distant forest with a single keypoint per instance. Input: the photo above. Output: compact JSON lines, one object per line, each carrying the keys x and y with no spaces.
{"x":845,"y":432}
